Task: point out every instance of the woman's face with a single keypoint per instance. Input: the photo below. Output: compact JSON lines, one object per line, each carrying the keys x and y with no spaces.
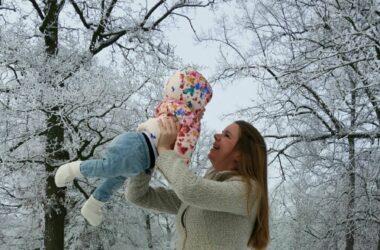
{"x":222,"y":154}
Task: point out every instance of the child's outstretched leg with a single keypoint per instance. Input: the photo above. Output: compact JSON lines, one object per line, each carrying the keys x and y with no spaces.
{"x":127,"y":155}
{"x":92,"y":208}
{"x":67,"y":173}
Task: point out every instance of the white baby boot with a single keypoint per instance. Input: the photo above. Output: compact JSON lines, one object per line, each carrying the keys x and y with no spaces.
{"x":92,"y":211}
{"x":66,"y":173}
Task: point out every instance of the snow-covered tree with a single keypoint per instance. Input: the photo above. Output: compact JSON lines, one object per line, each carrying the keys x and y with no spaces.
{"x":317,"y":63}
{"x":73,"y":75}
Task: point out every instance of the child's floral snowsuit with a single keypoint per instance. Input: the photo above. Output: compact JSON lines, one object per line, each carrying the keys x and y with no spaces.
{"x":186,"y":94}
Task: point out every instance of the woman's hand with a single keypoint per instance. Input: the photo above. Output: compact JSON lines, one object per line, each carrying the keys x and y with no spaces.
{"x":168,"y":134}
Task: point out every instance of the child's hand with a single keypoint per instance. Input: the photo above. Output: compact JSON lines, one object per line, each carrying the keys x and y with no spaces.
{"x":168,"y":134}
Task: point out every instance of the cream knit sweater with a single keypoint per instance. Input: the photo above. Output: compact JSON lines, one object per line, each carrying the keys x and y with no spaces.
{"x":210,"y":214}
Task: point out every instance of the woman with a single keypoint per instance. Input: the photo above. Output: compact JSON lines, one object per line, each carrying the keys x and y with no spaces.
{"x":228,"y":209}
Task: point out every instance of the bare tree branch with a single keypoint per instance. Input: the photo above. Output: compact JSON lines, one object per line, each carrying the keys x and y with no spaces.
{"x":38,"y":9}
{"x":81,"y":15}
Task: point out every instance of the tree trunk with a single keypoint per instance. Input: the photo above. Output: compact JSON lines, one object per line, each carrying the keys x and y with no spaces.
{"x":350,"y":228}
{"x":55,"y":210}
{"x":148,"y":231}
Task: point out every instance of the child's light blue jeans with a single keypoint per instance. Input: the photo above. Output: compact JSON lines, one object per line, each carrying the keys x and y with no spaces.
{"x":127,"y":155}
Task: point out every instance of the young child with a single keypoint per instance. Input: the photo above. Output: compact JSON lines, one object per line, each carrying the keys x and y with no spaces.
{"x":186,"y":94}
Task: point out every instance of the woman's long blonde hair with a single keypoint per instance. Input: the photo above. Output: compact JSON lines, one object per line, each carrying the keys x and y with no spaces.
{"x":253,"y":166}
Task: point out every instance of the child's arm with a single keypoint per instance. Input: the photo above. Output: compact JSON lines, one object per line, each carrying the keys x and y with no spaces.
{"x":187,"y":137}
{"x":189,"y":122}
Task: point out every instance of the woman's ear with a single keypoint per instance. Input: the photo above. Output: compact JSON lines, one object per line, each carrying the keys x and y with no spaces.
{"x":237,"y":157}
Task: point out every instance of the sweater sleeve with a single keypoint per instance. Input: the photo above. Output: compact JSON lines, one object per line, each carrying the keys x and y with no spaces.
{"x":161,"y":199}
{"x":226,"y":196}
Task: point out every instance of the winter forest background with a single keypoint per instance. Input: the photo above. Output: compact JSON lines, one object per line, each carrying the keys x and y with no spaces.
{"x":74,"y":74}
